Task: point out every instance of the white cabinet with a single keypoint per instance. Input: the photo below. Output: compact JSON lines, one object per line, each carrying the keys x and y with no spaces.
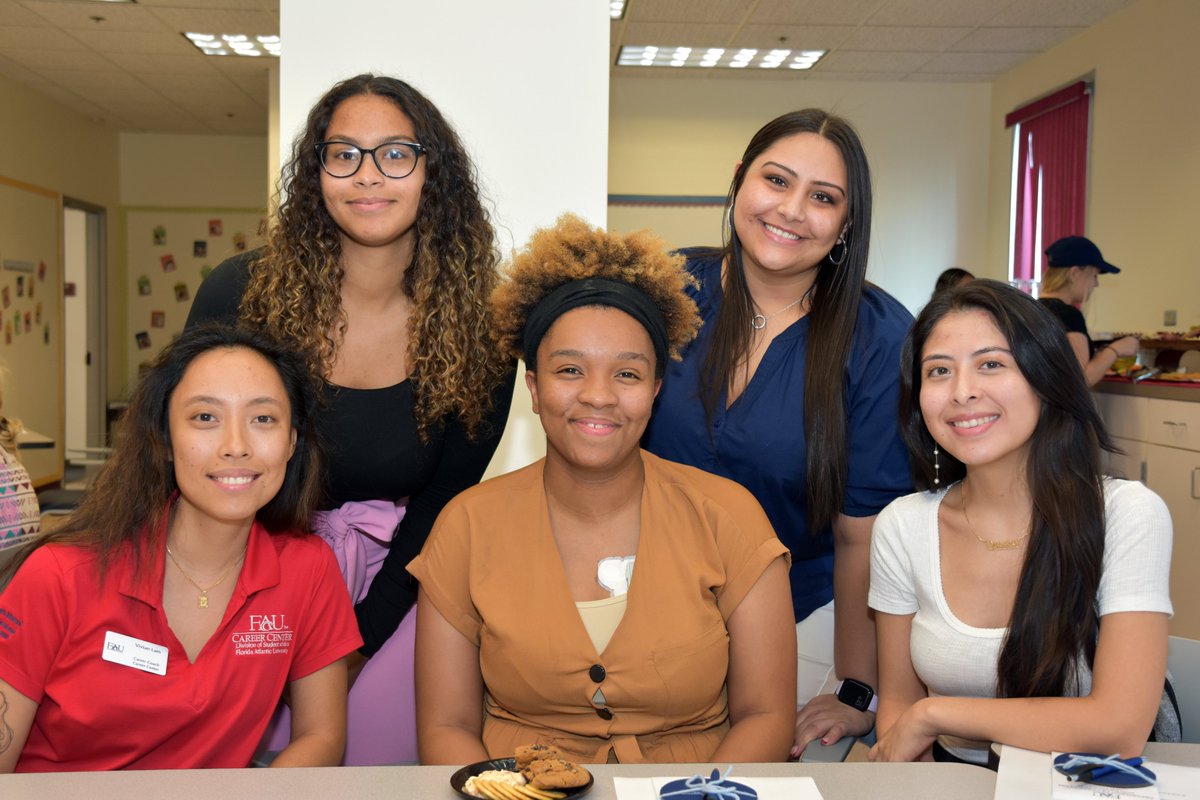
{"x":1174,"y":475}
{"x":1161,"y":444}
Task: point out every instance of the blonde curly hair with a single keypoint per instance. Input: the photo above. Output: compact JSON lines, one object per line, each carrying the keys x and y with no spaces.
{"x":574,"y":250}
{"x":294,"y":292}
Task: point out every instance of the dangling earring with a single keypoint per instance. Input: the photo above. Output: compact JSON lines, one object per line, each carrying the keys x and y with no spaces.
{"x":731,"y":216}
{"x":845,"y":249}
{"x":937,"y":467}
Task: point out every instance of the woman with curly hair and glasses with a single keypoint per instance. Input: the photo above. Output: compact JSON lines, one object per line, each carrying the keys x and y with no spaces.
{"x":378,"y":266}
{"x":619,"y":606}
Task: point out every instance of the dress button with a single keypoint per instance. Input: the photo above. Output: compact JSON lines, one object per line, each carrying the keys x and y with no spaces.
{"x":604,"y":713}
{"x":597,"y":673}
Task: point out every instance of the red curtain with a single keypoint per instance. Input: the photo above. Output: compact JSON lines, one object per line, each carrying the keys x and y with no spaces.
{"x":1051,"y":175}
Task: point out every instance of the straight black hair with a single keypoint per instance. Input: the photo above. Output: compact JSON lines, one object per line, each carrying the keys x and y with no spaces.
{"x":1054,"y":619}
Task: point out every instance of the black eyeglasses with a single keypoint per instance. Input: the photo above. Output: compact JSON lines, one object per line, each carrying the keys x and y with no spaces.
{"x":394,"y":159}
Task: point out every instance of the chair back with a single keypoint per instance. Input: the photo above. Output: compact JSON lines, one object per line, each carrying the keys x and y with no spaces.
{"x":1183,"y":660}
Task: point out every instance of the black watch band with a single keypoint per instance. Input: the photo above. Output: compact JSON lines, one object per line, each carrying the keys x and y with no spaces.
{"x":857,"y":694}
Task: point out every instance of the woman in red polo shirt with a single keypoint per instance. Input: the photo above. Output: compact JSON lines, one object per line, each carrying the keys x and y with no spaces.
{"x":159,"y":626}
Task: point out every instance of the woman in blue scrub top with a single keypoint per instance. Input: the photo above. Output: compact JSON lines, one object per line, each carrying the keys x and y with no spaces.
{"x":791,"y":389}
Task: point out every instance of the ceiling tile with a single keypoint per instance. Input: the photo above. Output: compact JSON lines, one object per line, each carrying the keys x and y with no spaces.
{"x":253,"y":23}
{"x":1015,"y":39}
{"x":951,"y":13}
{"x":884,"y":39}
{"x":42,"y":60}
{"x":14,"y":14}
{"x":822,"y":12}
{"x":991,"y":63}
{"x":797,"y":37}
{"x":1060,"y":13}
{"x":727,"y":11}
{"x":856,"y":61}
{"x":162,"y":63}
{"x":137,"y":42}
{"x":676,"y":33}
{"x":91,"y":17}
{"x":18,"y":38}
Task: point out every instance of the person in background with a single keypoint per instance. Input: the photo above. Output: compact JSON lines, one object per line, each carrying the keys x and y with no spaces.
{"x":1021,"y":597}
{"x":950,"y":278}
{"x":157,"y":627}
{"x":20,"y":516}
{"x":791,"y":390}
{"x":1075,"y":267}
{"x":378,"y":266}
{"x":603,"y":600}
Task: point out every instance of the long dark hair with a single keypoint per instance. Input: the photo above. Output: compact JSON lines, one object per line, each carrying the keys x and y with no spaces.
{"x":295,"y":286}
{"x":833,"y":316}
{"x":128,"y":500}
{"x":1054,"y":617}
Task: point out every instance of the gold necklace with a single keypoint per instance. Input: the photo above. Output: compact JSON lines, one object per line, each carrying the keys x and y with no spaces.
{"x":203,"y":602}
{"x":991,"y":544}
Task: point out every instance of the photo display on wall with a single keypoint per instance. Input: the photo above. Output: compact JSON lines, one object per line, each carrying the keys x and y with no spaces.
{"x":170,"y":254}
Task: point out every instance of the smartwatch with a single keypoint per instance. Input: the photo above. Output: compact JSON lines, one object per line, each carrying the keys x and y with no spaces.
{"x":857,"y":694}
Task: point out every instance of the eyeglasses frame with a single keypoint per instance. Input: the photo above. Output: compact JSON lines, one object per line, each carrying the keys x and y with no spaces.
{"x":419,"y":149}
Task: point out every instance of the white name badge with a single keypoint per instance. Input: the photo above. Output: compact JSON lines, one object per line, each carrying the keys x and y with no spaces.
{"x":130,"y":652}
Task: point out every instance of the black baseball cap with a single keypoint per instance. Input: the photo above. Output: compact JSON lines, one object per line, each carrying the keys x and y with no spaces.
{"x":1078,"y":251}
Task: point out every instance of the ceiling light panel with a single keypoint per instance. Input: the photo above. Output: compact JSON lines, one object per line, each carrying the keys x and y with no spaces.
{"x":717,"y":57}
{"x":234,"y":44}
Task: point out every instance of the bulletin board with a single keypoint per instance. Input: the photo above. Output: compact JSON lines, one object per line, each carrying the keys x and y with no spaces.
{"x":31,"y":320}
{"x":169,"y":252}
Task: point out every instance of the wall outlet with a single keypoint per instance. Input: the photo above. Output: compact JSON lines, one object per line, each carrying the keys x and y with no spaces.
{"x":1169,"y":317}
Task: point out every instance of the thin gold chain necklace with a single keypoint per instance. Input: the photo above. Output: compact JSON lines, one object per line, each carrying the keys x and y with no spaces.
{"x":990,"y":544}
{"x":203,"y":601}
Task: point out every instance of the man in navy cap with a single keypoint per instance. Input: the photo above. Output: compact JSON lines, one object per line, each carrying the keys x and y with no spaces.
{"x":1075,"y":265}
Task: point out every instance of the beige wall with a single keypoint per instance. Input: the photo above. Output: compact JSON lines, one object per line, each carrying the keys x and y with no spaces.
{"x":1143,"y":204}
{"x":55,"y":148}
{"x":928,"y":146}
{"x":176,"y":171}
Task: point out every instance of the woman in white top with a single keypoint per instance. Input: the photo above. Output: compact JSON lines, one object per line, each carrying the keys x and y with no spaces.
{"x":1023,"y":597}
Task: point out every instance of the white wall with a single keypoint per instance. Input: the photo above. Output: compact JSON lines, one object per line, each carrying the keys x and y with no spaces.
{"x":927,"y":144}
{"x":537,"y":129}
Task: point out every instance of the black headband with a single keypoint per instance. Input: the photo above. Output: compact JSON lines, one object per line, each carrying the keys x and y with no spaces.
{"x":597,"y":292}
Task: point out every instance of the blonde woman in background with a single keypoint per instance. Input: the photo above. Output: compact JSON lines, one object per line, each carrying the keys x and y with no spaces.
{"x":1075,"y":267}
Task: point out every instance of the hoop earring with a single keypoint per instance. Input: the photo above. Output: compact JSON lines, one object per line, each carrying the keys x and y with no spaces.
{"x":845,"y":250}
{"x":937,"y":467}
{"x":730,"y":216}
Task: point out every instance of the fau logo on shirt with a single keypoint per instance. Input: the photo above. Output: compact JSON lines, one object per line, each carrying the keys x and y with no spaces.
{"x":265,"y":635}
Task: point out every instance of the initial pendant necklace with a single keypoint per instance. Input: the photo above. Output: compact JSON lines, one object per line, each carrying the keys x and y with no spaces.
{"x":203,"y":601}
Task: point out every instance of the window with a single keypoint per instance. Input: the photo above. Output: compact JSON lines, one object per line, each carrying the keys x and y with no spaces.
{"x":1049,"y":185}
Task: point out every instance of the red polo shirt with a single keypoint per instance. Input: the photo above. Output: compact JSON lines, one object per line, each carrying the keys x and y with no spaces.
{"x":290,"y":615}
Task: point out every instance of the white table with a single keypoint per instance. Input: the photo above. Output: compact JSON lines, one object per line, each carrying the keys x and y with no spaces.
{"x":855,"y":781}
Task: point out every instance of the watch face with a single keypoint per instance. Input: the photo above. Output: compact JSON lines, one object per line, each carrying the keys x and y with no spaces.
{"x":855,"y":694}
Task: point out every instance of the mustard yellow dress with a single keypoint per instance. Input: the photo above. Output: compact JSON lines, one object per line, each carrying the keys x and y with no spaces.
{"x":492,"y":569}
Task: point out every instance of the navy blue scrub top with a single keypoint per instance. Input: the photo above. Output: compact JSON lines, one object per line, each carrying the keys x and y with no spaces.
{"x":759,"y":441}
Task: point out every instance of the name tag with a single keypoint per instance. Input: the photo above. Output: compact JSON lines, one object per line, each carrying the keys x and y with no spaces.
{"x":130,"y":652}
